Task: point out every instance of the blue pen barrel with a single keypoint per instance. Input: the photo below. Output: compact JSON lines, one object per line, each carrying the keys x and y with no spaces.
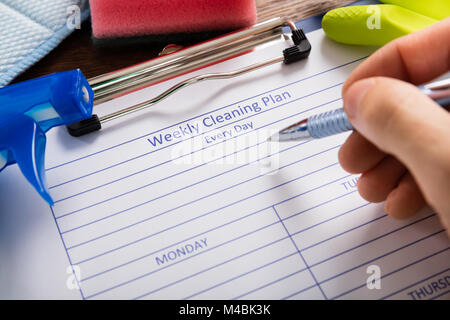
{"x":336,"y":121}
{"x":328,"y":124}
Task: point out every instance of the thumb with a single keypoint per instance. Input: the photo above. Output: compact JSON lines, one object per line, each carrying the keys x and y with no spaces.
{"x":401,"y":121}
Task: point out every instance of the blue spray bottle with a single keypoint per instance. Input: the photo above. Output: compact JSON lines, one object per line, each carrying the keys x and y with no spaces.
{"x":29,"y":109}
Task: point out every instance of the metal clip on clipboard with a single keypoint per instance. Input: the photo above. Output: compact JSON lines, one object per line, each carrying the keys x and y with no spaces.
{"x":115,"y":84}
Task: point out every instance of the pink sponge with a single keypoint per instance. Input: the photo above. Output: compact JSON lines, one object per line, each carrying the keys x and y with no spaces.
{"x":125,"y":18}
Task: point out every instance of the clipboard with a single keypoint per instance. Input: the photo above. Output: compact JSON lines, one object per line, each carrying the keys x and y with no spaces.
{"x":178,"y":62}
{"x":134,"y":221}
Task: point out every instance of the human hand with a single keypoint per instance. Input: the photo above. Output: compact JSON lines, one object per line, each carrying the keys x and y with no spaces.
{"x":401,"y":142}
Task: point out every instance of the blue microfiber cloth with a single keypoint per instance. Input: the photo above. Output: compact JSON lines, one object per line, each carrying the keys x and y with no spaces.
{"x":29,"y":29}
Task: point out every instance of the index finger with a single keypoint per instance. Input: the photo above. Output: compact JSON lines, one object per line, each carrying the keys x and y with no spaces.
{"x":416,"y":58}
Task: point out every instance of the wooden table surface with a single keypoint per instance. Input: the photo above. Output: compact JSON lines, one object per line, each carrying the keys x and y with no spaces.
{"x":78,"y":50}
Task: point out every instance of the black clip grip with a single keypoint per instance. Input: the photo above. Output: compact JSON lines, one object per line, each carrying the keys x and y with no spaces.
{"x":86,"y":126}
{"x":300,"y":51}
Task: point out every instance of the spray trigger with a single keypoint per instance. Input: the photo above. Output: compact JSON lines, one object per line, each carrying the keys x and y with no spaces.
{"x":29,"y":109}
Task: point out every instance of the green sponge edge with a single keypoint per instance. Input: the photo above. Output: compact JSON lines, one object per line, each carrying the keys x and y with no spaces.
{"x":372,"y":25}
{"x":437,"y":9}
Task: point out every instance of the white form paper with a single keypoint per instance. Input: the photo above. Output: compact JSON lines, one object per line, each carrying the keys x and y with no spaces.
{"x":188,"y":201}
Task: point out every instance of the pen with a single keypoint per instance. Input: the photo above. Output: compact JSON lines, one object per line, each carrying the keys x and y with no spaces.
{"x":336,"y":121}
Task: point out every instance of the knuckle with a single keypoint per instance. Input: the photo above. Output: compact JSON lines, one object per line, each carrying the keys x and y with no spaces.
{"x":383,"y":106}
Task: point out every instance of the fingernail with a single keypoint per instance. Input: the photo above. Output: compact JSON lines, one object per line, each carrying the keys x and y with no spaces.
{"x":355,"y":94}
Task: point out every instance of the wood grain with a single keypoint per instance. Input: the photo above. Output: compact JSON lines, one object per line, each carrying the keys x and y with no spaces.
{"x":78,"y":50}
{"x":295,"y":9}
